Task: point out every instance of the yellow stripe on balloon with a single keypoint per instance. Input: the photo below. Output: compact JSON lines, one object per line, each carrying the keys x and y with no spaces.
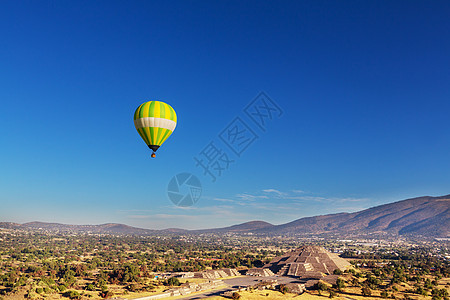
{"x":157,"y":110}
{"x":174,"y":115}
{"x":145,"y":112}
{"x":167,"y":111}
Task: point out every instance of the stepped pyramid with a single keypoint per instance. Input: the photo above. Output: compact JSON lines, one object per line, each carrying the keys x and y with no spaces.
{"x":307,"y":262}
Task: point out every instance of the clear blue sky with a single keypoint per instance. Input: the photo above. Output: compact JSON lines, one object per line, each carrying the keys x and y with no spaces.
{"x":364,"y":86}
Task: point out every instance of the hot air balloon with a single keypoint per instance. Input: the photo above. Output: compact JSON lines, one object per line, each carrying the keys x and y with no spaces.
{"x":155,"y":121}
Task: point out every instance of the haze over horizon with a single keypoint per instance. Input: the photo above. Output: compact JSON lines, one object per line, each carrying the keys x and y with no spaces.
{"x":363,"y":88}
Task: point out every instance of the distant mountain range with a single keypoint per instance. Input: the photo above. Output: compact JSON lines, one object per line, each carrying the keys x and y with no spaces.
{"x":428,"y":216}
{"x":110,"y":228}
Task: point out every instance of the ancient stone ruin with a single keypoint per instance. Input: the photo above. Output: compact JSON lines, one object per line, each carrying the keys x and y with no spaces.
{"x":307,"y":262}
{"x":214,"y":274}
{"x":259,"y":272}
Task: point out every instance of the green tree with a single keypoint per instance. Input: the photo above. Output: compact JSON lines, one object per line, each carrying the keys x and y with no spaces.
{"x":340,"y":284}
{"x":320,"y":286}
{"x":62,"y":287}
{"x":337,"y":272}
{"x":421,"y":291}
{"x":69,"y":278}
{"x":172,"y":281}
{"x":366,"y":291}
{"x":428,"y":284}
{"x":72,"y":295}
{"x":283,"y":289}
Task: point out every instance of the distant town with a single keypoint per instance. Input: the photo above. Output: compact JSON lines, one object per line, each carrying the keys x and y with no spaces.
{"x":43,"y":264}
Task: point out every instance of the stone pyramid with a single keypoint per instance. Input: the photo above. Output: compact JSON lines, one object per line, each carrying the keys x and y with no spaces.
{"x":307,"y":262}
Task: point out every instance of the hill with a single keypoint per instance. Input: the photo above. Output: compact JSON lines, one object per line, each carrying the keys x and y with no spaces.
{"x":244,"y":227}
{"x":428,"y":216}
{"x":423,"y":215}
{"x":109,"y":228}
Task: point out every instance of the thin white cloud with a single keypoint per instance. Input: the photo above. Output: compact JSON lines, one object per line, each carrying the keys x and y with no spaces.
{"x":225,"y":200}
{"x":346,"y":200}
{"x":206,"y":217}
{"x":272,"y":205}
{"x":250,"y":197}
{"x":274,"y":191}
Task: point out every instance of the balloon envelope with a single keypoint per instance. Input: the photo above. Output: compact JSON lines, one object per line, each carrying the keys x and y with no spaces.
{"x":155,"y":121}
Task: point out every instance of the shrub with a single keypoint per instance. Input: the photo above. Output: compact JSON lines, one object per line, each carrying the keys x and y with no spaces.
{"x":172,"y":281}
{"x":320,"y":286}
{"x":340,"y":284}
{"x":72,"y":295}
{"x":283,"y":289}
{"x":366,"y":291}
{"x":337,"y":272}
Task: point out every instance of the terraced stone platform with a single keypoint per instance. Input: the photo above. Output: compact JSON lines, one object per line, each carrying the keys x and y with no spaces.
{"x":307,"y":262}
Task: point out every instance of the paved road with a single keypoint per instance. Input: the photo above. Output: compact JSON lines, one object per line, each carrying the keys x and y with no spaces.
{"x":236,"y":282}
